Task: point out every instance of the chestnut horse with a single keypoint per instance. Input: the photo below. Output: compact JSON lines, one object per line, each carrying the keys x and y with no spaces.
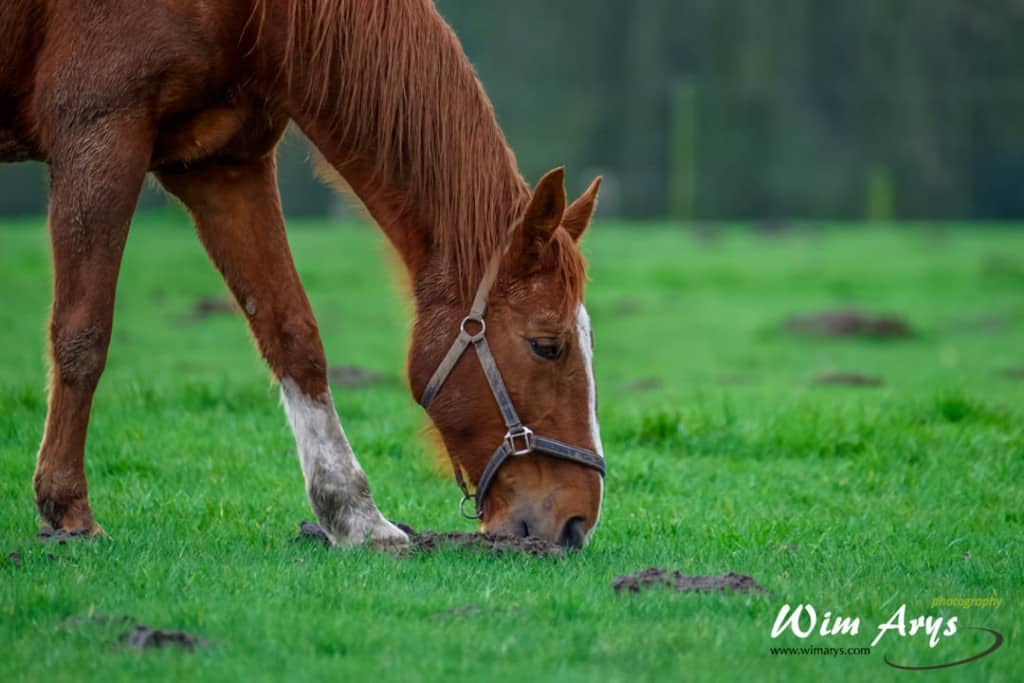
{"x":199,"y":92}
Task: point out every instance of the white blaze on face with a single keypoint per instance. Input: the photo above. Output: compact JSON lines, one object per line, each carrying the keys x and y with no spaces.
{"x":586,"y":342}
{"x":585,"y":339}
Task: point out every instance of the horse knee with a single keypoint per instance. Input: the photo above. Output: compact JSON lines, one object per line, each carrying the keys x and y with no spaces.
{"x":79,"y":354}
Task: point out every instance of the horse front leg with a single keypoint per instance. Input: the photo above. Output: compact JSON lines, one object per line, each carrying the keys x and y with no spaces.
{"x":237,"y":213}
{"x":96,"y":175}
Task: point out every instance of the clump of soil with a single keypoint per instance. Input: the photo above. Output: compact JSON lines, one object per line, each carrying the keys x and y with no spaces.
{"x":48,"y":534}
{"x":496,"y":544}
{"x":648,"y":578}
{"x":1014,"y":374}
{"x":429,"y":541}
{"x":15,"y":558}
{"x":209,"y":306}
{"x":139,"y":636}
{"x":849,"y":322}
{"x":852,"y":379}
{"x":353,"y":377}
{"x":313,"y":532}
{"x":143,"y":637}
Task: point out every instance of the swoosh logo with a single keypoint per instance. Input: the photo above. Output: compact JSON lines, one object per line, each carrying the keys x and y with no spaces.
{"x":995,"y":646}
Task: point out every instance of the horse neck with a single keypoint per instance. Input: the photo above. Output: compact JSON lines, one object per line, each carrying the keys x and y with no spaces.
{"x":385,"y":93}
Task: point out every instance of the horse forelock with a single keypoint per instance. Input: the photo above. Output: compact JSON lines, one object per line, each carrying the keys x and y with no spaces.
{"x":565,"y":257}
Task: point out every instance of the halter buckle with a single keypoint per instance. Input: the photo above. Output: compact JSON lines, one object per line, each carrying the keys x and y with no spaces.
{"x":525,"y":436}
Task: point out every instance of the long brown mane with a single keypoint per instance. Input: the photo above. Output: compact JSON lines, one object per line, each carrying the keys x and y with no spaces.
{"x":401,"y":93}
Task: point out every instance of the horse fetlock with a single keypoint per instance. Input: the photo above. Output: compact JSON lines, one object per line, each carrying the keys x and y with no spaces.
{"x":350,"y":517}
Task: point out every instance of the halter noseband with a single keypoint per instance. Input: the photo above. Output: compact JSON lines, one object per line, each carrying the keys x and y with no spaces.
{"x":519,"y":440}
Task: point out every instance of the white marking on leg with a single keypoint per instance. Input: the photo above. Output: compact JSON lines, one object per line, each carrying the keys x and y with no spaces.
{"x":586,"y":344}
{"x":335,"y":482}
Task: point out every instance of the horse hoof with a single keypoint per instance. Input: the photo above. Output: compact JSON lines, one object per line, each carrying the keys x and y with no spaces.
{"x":63,"y":534}
{"x":387,"y":536}
{"x":390,"y":543}
{"x":379,"y":534}
{"x":72,"y":515}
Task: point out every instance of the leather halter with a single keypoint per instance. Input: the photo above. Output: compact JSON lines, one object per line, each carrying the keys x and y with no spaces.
{"x":519,"y":440}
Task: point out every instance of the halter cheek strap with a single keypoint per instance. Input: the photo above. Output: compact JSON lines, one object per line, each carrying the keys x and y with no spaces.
{"x":519,"y":439}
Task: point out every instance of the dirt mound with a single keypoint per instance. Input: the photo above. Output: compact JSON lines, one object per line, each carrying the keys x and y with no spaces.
{"x":313,"y":532}
{"x":496,"y":544}
{"x":208,"y":306}
{"x":648,"y":578}
{"x":139,"y":636}
{"x":48,"y":534}
{"x":143,"y":637}
{"x":428,"y":541}
{"x":852,"y":379}
{"x":849,"y":322}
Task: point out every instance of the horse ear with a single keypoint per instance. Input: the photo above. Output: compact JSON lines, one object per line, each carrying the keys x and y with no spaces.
{"x":544,"y":213}
{"x":577,"y":216}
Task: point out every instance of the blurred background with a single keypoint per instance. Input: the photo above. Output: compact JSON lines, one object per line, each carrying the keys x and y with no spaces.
{"x":759,"y":110}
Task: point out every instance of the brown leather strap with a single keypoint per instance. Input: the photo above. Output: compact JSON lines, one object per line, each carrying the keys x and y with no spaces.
{"x":476,"y":316}
{"x":519,"y":440}
{"x":498,"y":388}
{"x":541,"y":444}
{"x":444,"y":369}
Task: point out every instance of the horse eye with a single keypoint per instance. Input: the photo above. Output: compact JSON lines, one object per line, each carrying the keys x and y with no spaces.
{"x":548,"y":348}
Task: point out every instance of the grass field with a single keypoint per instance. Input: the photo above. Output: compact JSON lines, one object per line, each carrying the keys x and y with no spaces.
{"x":724,"y":455}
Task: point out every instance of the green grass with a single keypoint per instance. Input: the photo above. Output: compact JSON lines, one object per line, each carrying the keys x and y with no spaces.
{"x":855,"y":500}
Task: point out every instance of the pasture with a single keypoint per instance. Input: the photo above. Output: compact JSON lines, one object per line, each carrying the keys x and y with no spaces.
{"x":724,"y":454}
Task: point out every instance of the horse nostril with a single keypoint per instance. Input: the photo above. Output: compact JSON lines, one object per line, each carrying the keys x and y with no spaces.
{"x":573,"y":533}
{"x":521,"y":528}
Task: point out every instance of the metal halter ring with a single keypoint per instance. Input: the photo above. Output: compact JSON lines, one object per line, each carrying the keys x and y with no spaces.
{"x":462,"y":507}
{"x":520,"y":432}
{"x":473,"y":319}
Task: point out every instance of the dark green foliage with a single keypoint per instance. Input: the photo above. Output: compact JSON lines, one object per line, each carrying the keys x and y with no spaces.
{"x":737,"y":109}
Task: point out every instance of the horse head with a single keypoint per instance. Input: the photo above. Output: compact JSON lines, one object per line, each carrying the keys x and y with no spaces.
{"x":519,"y":416}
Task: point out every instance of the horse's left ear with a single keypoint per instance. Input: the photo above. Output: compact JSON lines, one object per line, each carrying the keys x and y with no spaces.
{"x":577,"y":217}
{"x":544,"y":213}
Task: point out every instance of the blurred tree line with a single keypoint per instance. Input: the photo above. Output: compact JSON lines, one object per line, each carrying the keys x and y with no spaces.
{"x":739,"y":109}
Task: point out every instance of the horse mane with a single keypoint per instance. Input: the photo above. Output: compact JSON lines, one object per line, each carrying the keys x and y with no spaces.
{"x":410,"y":103}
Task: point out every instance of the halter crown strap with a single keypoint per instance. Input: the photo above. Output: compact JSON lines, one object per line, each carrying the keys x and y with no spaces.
{"x":476,"y":315}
